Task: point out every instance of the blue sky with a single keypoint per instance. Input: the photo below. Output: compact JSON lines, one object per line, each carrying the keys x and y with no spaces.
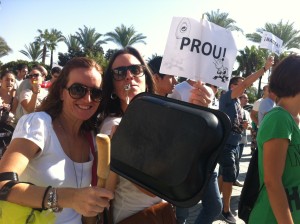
{"x":20,"y":19}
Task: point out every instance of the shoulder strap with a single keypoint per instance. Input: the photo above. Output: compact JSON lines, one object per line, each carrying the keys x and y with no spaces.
{"x":5,"y":190}
{"x":11,"y":102}
{"x":94,"y":167}
{"x":9,"y":176}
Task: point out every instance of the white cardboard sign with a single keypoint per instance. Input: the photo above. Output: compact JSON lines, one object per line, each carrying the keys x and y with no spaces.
{"x":271,"y":42}
{"x":199,"y":50}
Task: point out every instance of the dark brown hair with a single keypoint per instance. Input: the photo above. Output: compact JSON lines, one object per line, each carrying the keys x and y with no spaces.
{"x":285,"y":77}
{"x":113,"y":106}
{"x":6,"y":72}
{"x":234,"y":80}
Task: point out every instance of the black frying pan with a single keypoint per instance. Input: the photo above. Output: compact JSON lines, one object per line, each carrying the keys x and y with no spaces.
{"x":169,"y":147}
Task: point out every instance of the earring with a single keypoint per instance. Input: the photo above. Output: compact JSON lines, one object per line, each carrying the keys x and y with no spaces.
{"x":113,"y":96}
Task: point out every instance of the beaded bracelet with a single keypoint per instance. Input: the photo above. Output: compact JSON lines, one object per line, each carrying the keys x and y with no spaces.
{"x":52,"y":201}
{"x":55,"y":207}
{"x":44,"y":197}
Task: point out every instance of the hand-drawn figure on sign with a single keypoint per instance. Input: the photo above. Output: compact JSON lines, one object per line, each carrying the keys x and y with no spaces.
{"x":221,"y":70}
{"x":183,"y":28}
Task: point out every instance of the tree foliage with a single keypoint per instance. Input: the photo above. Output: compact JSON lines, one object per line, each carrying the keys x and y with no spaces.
{"x":250,"y":60}
{"x":4,"y":48}
{"x":285,"y":31}
{"x":109,"y":53}
{"x":72,"y":43}
{"x":12,"y":65}
{"x":33,"y":51}
{"x":125,"y":36}
{"x":85,"y":43}
{"x":89,"y":40}
{"x":153,"y":56}
{"x":55,"y":37}
{"x":48,"y":40}
{"x":222,"y":19}
{"x":43,"y":40}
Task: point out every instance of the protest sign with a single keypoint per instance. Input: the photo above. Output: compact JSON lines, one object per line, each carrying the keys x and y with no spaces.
{"x":199,"y":50}
{"x":271,"y":42}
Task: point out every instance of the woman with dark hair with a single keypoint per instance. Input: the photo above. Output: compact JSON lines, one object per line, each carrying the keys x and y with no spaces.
{"x":112,"y":103}
{"x":8,"y":105}
{"x":51,"y":148}
{"x":126,"y":76}
{"x":278,"y":143}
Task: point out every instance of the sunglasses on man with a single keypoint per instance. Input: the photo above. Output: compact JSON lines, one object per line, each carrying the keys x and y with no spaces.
{"x":78,"y":91}
{"x":120,"y":73}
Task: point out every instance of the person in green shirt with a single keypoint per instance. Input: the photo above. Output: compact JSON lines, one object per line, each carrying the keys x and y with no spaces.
{"x":279,"y":149}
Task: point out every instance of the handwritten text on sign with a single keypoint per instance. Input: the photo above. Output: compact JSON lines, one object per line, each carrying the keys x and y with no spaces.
{"x":200,"y":51}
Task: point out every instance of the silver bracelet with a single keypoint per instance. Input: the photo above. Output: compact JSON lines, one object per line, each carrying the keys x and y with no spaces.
{"x":52,"y":202}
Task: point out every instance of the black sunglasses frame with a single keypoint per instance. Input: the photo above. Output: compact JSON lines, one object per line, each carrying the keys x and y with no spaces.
{"x":36,"y":75}
{"x":120,"y":73}
{"x":78,"y":91}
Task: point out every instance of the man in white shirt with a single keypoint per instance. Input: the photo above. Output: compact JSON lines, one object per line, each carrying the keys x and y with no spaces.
{"x":266,"y":105}
{"x":254,"y":118}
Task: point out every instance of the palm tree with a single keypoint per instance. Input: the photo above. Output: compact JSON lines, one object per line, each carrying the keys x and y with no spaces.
{"x":109,"y":53}
{"x":72,"y":43}
{"x":44,"y":40}
{"x":33,"y":51}
{"x":89,"y":40}
{"x":4,"y":48}
{"x":221,"y":19}
{"x":153,"y":56}
{"x":54,"y":38}
{"x":250,"y":60}
{"x":123,"y":36}
{"x":285,"y":31}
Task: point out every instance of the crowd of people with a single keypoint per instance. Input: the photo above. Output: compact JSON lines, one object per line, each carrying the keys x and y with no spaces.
{"x":51,"y":127}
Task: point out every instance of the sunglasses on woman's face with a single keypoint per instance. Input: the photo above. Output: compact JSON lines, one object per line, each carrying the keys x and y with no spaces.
{"x":36,"y":75}
{"x":78,"y":91}
{"x":120,"y":73}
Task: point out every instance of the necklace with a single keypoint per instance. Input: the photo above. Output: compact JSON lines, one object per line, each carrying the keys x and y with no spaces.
{"x":73,"y":163}
{"x":77,"y":184}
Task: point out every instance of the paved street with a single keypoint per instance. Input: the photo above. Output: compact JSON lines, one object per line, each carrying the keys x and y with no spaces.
{"x":235,"y":194}
{"x":237,"y":190}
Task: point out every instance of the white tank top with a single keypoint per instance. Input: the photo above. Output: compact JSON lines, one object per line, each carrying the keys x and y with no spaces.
{"x":130,"y":200}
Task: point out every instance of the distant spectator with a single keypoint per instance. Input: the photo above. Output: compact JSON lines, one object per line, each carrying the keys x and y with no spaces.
{"x":55,"y":72}
{"x":266,"y":105}
{"x":254,"y":118}
{"x":22,"y":71}
{"x":31,"y":97}
{"x":254,"y":111}
{"x":246,"y":117}
{"x":164,"y":83}
{"x":8,"y":105}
